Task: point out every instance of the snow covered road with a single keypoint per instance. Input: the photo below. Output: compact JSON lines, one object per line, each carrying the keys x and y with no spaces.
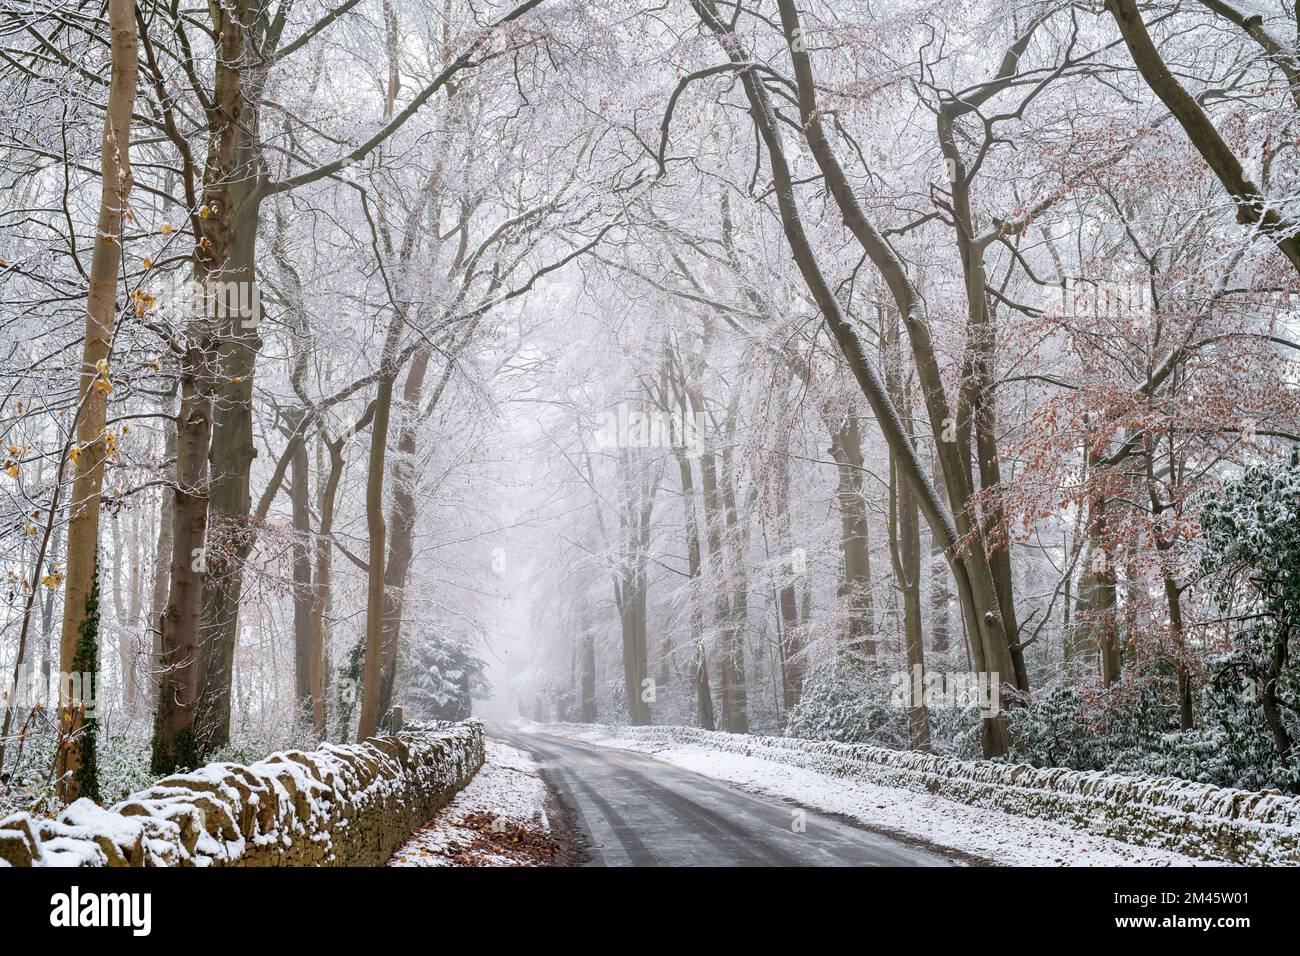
{"x":972,"y":834}
{"x":638,"y":811}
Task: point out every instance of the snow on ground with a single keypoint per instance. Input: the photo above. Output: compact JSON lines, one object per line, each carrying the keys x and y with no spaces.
{"x":992,"y":835}
{"x":499,"y":819}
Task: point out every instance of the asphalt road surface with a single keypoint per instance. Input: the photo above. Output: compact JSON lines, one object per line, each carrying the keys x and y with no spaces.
{"x":634,"y":810}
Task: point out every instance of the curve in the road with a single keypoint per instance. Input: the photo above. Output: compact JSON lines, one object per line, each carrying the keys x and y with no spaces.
{"x":638,"y":811}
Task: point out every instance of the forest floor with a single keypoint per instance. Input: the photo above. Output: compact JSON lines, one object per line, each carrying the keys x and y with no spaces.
{"x":960,"y":832}
{"x":506,"y":816}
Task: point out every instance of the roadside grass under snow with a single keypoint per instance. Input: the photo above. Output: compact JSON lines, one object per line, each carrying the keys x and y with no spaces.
{"x":499,"y":819}
{"x":991,"y":835}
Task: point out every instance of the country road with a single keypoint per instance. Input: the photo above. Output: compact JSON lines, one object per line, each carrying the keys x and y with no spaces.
{"x":634,"y":810}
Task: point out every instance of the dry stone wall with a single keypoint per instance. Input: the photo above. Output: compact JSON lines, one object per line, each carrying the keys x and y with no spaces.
{"x":341,"y":805}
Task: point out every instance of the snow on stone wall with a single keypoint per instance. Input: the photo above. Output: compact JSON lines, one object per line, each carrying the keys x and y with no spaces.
{"x":1199,"y":820}
{"x":348,"y":805}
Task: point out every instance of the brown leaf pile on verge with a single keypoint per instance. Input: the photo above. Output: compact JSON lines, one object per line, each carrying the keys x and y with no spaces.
{"x":496,"y":838}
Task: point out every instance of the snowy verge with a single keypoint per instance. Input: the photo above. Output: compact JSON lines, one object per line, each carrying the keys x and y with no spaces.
{"x":500,"y":819}
{"x":347,"y":805}
{"x":1003,"y":812}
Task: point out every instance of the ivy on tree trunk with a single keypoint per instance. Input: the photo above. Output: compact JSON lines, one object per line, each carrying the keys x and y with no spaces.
{"x":86,"y":663}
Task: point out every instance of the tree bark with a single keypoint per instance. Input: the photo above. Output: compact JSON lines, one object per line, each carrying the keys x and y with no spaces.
{"x":587,"y":662}
{"x":221,"y":288}
{"x":401,"y":524}
{"x":704,"y":715}
{"x":674,"y":373}
{"x":730,"y":672}
{"x":735,"y":693}
{"x":979,"y":394}
{"x":1095,"y":617}
{"x":376,"y":529}
{"x":940,"y":593}
{"x":125,"y":627}
{"x":905,"y":552}
{"x":1173,"y":593}
{"x":321,"y":590}
{"x":303,"y":592}
{"x":630,"y":585}
{"x":1272,"y":702}
{"x":174,"y":744}
{"x":92,"y":395}
{"x":855,"y":540}
{"x":794,"y":641}
{"x":231,"y":533}
{"x":162,"y":557}
{"x":632,"y":623}
{"x":909,"y":560}
{"x":138,"y":642}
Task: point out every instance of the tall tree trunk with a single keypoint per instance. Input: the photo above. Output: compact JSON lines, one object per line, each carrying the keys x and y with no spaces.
{"x":403,"y":476}
{"x":376,"y":530}
{"x":1097,"y":614}
{"x":1095,"y":619}
{"x":674,"y":374}
{"x":1272,"y":702}
{"x":632,"y":625}
{"x":92,"y":395}
{"x":905,"y":549}
{"x":321,"y":590}
{"x":162,"y":558}
{"x":223,"y":291}
{"x":699,"y":664}
{"x":1186,"y":716}
{"x":587,"y":663}
{"x":726,"y":546}
{"x":735,"y":695}
{"x":730,"y":675}
{"x":909,"y":551}
{"x":125,"y":627}
{"x":232,"y":533}
{"x":641,"y":642}
{"x":940,"y":593}
{"x":639,"y":508}
{"x":1173,"y":593}
{"x":47,"y":614}
{"x":978,"y":393}
{"x":855,"y":540}
{"x":174,"y":742}
{"x":794,"y":642}
{"x":138,"y":642}
{"x":303,"y":593}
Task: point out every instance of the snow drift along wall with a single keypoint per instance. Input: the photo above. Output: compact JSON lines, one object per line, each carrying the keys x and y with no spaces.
{"x":349,"y":805}
{"x":1199,"y":820}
